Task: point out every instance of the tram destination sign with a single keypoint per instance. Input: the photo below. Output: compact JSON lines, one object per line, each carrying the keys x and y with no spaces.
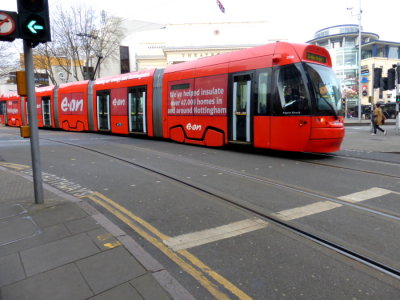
{"x":316,"y":57}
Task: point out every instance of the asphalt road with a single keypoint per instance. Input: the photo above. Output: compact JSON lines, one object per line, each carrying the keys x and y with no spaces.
{"x":208,"y":214}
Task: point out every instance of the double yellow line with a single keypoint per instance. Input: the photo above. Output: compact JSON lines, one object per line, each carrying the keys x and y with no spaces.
{"x":17,"y":167}
{"x":188,"y":262}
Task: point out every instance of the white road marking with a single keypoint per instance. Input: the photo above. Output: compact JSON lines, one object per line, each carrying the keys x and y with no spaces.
{"x":366,"y":195}
{"x":198,"y":238}
{"x":303,"y":211}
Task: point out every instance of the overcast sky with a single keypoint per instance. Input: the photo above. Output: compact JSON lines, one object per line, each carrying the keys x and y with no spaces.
{"x":295,"y":20}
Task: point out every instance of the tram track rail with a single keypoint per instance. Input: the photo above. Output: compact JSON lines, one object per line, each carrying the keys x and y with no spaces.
{"x":286,"y":186}
{"x":248,"y":207}
{"x":382,"y":162}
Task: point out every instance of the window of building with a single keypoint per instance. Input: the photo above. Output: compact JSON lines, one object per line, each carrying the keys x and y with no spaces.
{"x":350,"y":59}
{"x":380,"y":51}
{"x":349,"y":42}
{"x":339,"y":59}
{"x":124,"y":57}
{"x":366,"y":53}
{"x":393,"y":52}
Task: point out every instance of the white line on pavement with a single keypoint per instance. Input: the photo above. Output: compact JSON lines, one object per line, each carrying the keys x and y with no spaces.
{"x":366,"y":195}
{"x":198,"y":238}
{"x":303,"y":211}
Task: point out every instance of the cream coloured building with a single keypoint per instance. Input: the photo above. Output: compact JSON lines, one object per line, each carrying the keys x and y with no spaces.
{"x":176,"y":43}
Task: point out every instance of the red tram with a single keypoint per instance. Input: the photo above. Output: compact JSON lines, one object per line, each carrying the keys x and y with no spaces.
{"x":279,"y":96}
{"x":13,"y":110}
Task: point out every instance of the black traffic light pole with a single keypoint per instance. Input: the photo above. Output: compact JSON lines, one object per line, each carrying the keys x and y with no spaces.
{"x":397,"y":76}
{"x":34,"y":28}
{"x":32,"y":24}
{"x":33,"y":124}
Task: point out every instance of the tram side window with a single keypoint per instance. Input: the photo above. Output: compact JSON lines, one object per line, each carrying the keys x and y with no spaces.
{"x":262,"y":93}
{"x":291,"y":92}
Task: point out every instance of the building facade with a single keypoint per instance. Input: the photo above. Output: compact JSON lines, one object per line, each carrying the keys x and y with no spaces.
{"x":342,"y":43}
{"x":176,"y":43}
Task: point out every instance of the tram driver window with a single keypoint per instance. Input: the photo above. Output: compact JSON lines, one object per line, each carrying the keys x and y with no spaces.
{"x":293,"y":99}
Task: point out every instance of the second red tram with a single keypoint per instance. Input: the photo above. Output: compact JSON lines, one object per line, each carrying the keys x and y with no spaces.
{"x":279,"y":96}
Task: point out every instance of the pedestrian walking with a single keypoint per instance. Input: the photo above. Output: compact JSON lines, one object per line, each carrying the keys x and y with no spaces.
{"x":378,"y":119}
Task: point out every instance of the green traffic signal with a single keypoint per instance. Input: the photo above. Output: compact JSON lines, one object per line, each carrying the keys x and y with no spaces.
{"x":33,"y":27}
{"x":34,"y":22}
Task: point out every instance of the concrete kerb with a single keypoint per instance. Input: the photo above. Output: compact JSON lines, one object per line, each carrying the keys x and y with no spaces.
{"x":163,"y":277}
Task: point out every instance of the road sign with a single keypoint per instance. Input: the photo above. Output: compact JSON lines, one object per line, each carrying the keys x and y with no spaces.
{"x":8,"y":26}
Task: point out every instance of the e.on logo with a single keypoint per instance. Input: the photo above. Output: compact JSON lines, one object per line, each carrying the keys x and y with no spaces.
{"x":118,"y":102}
{"x":191,"y":126}
{"x":72,"y":105}
{"x":12,"y":111}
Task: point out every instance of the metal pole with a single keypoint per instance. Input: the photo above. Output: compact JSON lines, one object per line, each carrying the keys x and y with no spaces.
{"x":397,"y":102}
{"x":359,"y":63}
{"x":33,"y":124}
{"x":371,"y":127}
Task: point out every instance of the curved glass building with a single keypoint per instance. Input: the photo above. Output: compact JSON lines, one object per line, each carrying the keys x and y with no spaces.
{"x":342,"y":43}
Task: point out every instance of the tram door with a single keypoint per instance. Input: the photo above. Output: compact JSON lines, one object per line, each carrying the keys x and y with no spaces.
{"x":241,"y":109}
{"x":3,"y":111}
{"x":137,"y":109}
{"x":103,"y":110}
{"x":46,"y":111}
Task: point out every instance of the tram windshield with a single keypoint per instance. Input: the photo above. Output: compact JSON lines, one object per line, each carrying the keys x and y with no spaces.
{"x":326,"y":90}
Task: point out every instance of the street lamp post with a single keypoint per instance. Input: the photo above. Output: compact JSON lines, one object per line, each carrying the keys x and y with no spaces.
{"x":94,"y":37}
{"x":359,"y":62}
{"x":359,"y":56}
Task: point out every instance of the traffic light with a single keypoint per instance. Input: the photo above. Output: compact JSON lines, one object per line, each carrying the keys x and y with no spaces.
{"x":391,"y":75}
{"x":33,"y":19}
{"x":398,"y":74}
{"x":377,"y":77}
{"x":21,"y":83}
{"x":8,"y":25}
{"x":384,"y":83}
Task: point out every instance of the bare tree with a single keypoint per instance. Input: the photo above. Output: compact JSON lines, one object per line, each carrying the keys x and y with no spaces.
{"x":81,"y":37}
{"x":8,"y":59}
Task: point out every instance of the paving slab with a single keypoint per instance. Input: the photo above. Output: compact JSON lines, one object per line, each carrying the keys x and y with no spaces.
{"x":58,"y":253}
{"x":103,"y":239}
{"x":82,"y":225}
{"x":17,"y":228}
{"x":11,"y":269}
{"x":48,"y":234}
{"x":64,"y":283}
{"x":103,"y":271}
{"x":55,"y":214}
{"x":149,"y":288}
{"x":121,"y":292}
{"x":10,"y":210}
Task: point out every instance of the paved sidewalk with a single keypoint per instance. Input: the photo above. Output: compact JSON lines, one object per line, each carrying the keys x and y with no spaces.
{"x":358,"y":137}
{"x":66,"y":249}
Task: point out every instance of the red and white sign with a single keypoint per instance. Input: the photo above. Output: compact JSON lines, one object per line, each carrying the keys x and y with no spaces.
{"x":13,"y":108}
{"x":72,"y":104}
{"x":204,"y":96}
{"x":119,"y":103}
